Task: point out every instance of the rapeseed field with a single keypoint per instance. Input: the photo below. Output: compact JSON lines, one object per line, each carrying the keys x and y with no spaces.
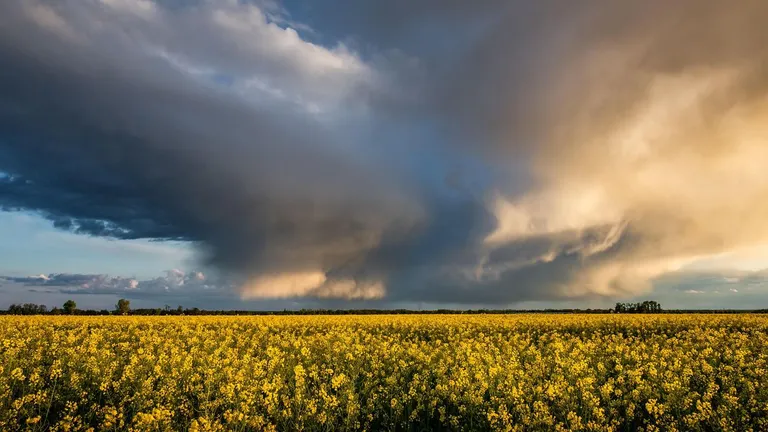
{"x":385,"y":372}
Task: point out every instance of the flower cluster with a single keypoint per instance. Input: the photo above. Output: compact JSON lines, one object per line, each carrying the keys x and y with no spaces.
{"x":480,"y":372}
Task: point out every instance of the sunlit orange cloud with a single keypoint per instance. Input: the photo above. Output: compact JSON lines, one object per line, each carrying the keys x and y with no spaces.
{"x":310,"y":284}
{"x":683,"y":169}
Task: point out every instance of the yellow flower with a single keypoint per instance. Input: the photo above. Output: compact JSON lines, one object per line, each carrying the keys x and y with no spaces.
{"x":17,"y":374}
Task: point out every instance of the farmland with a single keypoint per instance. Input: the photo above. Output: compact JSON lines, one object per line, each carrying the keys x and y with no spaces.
{"x":385,"y":372}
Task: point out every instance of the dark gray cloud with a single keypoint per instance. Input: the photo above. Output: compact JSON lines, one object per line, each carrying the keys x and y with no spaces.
{"x":116,"y":132}
{"x":149,"y":153}
{"x":397,"y":151}
{"x":173,"y":282}
{"x":512,"y":73}
{"x":55,"y":279}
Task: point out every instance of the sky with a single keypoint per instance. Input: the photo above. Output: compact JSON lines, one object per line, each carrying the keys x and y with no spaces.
{"x":265,"y":154}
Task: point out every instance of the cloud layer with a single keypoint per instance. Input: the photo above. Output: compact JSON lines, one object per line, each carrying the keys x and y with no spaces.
{"x":104,"y":284}
{"x":485,"y":152}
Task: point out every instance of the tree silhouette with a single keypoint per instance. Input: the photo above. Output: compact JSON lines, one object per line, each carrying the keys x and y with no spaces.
{"x":70,"y":307}
{"x":27,"y":309}
{"x":648,"y":306}
{"x":123,"y":306}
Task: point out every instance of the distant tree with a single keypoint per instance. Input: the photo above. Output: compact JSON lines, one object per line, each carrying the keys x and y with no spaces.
{"x":27,"y":309}
{"x":648,"y":306}
{"x":179,"y":310}
{"x":123,"y":306}
{"x":70,"y":307}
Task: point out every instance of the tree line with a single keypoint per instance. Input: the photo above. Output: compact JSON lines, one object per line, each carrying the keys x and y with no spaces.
{"x":648,"y":306}
{"x":123,"y":307}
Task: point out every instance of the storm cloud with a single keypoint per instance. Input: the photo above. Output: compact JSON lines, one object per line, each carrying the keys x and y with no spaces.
{"x":447,"y":152}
